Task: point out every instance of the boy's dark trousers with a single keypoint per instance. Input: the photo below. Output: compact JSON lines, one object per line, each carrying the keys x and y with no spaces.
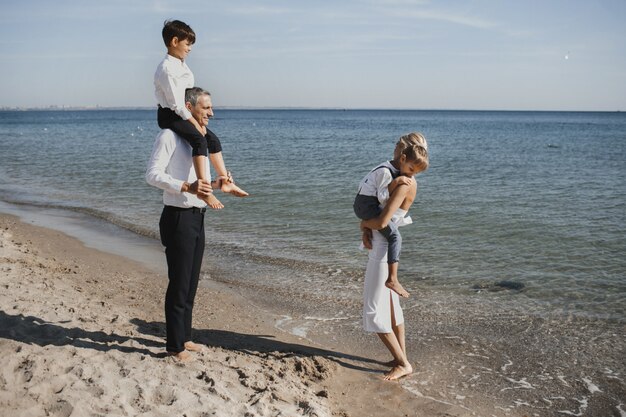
{"x":168,"y":119}
{"x":367,"y":207}
{"x":182,"y":234}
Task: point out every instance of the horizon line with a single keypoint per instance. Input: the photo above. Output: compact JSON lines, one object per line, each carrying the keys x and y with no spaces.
{"x":97,"y":107}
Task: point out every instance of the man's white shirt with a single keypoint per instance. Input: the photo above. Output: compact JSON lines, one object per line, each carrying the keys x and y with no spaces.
{"x":170,"y":165}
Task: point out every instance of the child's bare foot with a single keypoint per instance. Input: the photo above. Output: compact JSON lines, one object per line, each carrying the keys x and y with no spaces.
{"x":193,"y":347}
{"x":232,"y":188}
{"x":398,"y":372}
{"x":396,"y":287}
{"x":213,"y":202}
{"x":183,"y":356}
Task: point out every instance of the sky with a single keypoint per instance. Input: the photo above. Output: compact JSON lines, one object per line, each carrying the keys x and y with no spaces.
{"x":400,"y":54}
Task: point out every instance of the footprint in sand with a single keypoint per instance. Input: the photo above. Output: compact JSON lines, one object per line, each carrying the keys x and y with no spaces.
{"x":164,"y":396}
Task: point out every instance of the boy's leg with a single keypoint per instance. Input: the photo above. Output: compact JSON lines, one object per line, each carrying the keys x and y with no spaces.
{"x":165,"y":117}
{"x":188,"y":132}
{"x":199,"y":146}
{"x":392,"y":282}
{"x":199,"y":150}
{"x":394,"y":239}
{"x":217,"y":160}
{"x":366,"y":207}
{"x":405,"y":195}
{"x":215,"y":153}
{"x":220,"y":168}
{"x":199,"y":164}
{"x":168,"y":119}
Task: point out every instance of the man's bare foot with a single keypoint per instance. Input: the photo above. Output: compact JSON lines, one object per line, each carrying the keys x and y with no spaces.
{"x":232,"y":188}
{"x":183,"y":356}
{"x":213,"y":202}
{"x":396,"y":287}
{"x":398,"y":372}
{"x":193,"y":347}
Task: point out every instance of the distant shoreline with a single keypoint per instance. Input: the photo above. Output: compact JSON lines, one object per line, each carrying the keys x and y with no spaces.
{"x":150,"y":108}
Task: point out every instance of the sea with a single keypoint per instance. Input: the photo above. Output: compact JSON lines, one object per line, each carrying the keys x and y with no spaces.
{"x":527,"y":202}
{"x":519,"y":214}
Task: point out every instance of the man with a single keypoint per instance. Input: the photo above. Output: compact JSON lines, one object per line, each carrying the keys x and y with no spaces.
{"x":170,"y":168}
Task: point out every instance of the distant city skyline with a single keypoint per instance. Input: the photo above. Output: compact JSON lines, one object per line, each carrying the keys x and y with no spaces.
{"x":387,"y":54}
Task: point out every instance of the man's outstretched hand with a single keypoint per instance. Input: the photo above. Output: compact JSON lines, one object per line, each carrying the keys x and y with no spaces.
{"x":201,"y":188}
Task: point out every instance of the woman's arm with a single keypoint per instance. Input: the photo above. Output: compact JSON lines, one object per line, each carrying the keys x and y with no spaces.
{"x":395,"y":201}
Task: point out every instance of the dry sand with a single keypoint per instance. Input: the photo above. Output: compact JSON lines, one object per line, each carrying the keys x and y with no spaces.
{"x":82,"y":334}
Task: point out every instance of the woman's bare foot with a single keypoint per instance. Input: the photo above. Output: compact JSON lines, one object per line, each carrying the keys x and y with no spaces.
{"x":213,"y":202}
{"x":396,"y":287}
{"x":398,"y":371}
{"x":183,"y":356}
{"x":193,"y":347}
{"x":232,"y":188}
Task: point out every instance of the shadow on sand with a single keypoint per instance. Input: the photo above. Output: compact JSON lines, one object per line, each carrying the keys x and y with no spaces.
{"x":33,"y":330}
{"x":259,"y":345}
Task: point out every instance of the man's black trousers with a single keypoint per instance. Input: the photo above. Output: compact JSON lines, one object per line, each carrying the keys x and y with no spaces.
{"x":182,"y":234}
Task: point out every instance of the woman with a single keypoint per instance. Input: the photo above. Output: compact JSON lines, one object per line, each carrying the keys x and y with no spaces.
{"x":382,"y":313}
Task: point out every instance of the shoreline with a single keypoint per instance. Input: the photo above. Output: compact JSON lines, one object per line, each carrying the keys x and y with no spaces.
{"x":82,"y":332}
{"x":490,"y":365}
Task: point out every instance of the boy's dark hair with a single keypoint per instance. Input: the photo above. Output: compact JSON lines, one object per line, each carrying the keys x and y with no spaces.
{"x":178,"y":29}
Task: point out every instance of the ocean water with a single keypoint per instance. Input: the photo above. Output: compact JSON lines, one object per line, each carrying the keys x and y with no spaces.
{"x":519,"y":207}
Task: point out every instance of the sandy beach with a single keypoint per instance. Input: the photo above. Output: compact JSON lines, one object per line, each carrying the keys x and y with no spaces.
{"x":81,"y":334}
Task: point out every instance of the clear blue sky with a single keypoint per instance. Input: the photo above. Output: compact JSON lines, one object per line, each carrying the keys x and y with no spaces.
{"x":448,"y":54}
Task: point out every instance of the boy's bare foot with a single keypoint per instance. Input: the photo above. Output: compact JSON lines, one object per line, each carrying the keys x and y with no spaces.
{"x":213,"y":202}
{"x":183,"y":356}
{"x":396,"y":287}
{"x":232,"y":188}
{"x":398,"y":372}
{"x":193,"y":347}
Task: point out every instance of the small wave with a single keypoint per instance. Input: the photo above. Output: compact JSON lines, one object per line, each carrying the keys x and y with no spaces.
{"x":283,"y":262}
{"x":98,"y":214}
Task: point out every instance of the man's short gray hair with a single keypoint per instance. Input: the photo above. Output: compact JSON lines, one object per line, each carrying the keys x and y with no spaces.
{"x":194,"y":93}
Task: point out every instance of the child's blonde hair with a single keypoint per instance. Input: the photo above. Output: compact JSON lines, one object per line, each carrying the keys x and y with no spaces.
{"x":413,"y":145}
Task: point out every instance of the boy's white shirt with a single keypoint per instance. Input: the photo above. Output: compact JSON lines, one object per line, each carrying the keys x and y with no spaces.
{"x":171,"y":78}
{"x":376,"y":182}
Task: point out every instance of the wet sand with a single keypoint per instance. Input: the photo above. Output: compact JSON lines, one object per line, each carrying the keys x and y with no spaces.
{"x":471,"y":353}
{"x":82,"y":333}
